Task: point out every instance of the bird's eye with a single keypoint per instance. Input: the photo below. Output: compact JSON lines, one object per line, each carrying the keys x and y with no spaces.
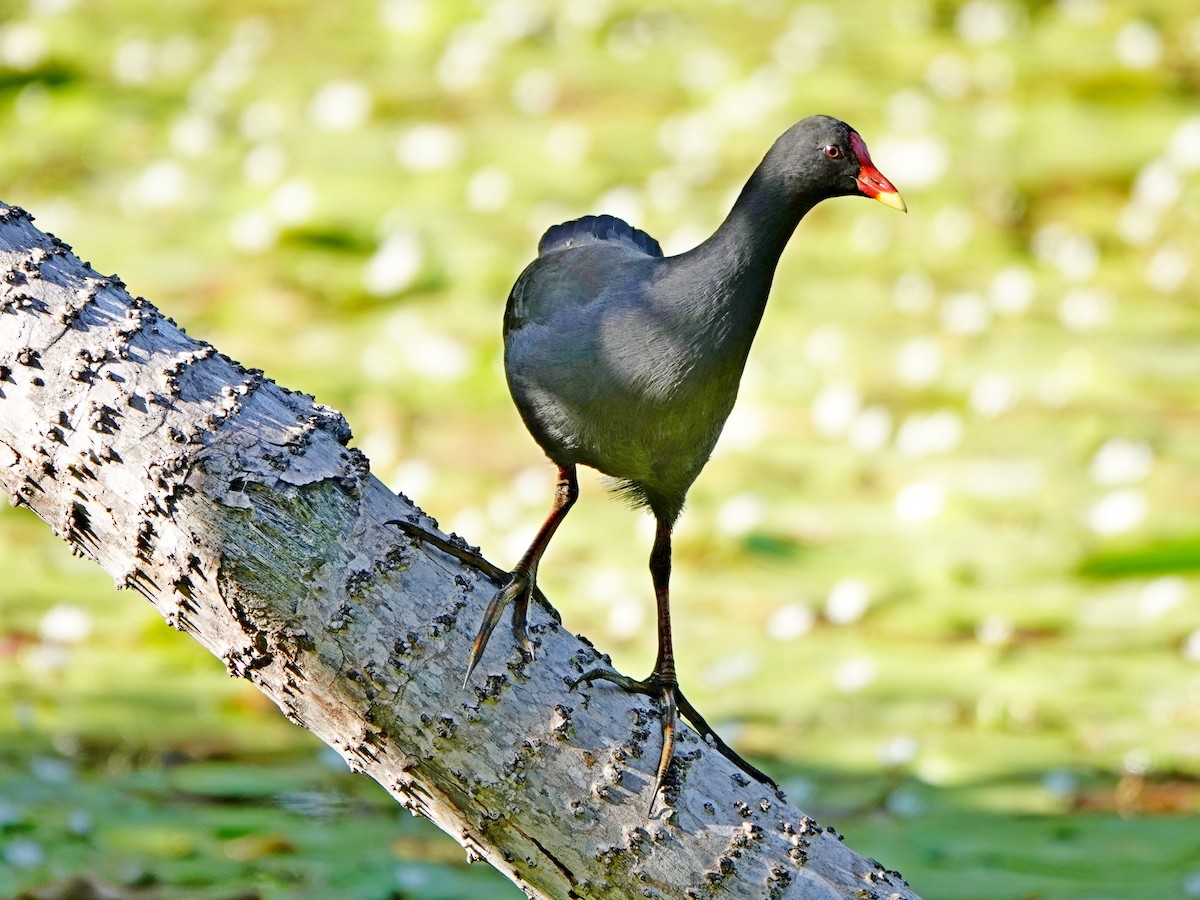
{"x":833,"y":151}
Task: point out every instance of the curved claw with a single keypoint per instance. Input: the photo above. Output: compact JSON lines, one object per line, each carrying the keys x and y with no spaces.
{"x":518,"y":584}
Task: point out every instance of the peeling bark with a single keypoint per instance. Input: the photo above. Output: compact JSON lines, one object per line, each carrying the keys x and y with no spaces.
{"x":235,"y":506}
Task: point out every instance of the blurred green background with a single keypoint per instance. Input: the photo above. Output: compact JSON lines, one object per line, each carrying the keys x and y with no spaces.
{"x":941,"y":577}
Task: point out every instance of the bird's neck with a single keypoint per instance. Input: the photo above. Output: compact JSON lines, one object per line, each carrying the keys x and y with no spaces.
{"x":731,"y":272}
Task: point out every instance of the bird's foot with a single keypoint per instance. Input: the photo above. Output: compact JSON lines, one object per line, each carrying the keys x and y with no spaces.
{"x":674,"y":703}
{"x":518,"y":589}
{"x":514,"y":585}
{"x":518,"y":586}
{"x":666,"y":692}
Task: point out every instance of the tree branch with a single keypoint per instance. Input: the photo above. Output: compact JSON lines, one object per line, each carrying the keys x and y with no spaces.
{"x":236,"y":508}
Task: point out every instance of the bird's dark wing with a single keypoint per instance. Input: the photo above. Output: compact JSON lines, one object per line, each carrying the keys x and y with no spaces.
{"x":597,"y":230}
{"x":576,"y":262}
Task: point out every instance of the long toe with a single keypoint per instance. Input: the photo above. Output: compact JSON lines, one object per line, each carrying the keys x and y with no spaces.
{"x":520,"y":623}
{"x":463,"y":554}
{"x":524,"y":641}
{"x":667,"y":698}
{"x":697,"y":721}
{"x":648,"y":686}
{"x":517,"y":585}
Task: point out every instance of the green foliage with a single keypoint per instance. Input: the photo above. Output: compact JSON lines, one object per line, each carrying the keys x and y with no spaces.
{"x":1176,"y":555}
{"x":940,"y":577}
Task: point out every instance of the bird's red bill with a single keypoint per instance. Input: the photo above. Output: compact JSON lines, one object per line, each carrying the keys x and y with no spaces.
{"x":871,"y":181}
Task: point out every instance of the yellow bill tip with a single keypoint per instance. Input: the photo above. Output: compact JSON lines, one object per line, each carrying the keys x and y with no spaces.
{"x":892,"y":199}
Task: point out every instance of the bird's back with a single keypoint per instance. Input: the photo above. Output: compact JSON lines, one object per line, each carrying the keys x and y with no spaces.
{"x":597,"y":365}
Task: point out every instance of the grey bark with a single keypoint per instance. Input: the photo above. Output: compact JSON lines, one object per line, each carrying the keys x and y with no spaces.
{"x":236,"y":507}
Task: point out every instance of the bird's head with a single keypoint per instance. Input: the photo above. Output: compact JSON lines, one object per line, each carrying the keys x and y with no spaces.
{"x":824,"y":157}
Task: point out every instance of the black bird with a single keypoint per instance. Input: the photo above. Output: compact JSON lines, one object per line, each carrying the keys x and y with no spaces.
{"x":627,"y":361}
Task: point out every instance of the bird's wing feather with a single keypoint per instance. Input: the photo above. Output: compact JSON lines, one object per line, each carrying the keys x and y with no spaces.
{"x":596,"y":230}
{"x":592,"y":262}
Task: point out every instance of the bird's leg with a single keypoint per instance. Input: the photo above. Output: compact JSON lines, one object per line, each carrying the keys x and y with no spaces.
{"x":662,"y":682}
{"x":521,"y":583}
